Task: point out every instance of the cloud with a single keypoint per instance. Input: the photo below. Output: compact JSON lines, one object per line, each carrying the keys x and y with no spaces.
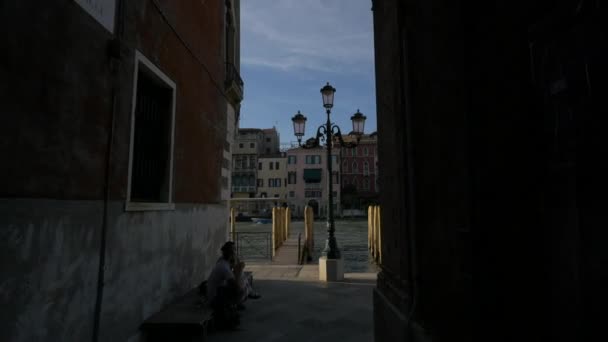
{"x":310,"y":35}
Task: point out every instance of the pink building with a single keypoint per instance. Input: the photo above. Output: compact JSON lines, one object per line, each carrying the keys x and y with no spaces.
{"x":359,"y":172}
{"x":307,"y":180}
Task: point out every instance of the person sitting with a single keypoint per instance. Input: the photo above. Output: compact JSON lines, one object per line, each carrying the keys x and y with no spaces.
{"x":228,"y":287}
{"x":245,"y":287}
{"x":223,"y":289}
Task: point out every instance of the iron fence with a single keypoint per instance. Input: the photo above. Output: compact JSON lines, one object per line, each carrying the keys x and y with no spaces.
{"x":253,"y":245}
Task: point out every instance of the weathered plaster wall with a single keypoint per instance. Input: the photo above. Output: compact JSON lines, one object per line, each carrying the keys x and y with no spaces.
{"x":50,"y":253}
{"x":153,"y":257}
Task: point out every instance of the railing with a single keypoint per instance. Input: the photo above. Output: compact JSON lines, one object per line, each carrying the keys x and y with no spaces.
{"x":253,"y":245}
{"x":300,"y":250}
{"x":245,"y":167}
{"x":313,"y":194}
{"x":243,"y":189}
{"x":313,"y":186}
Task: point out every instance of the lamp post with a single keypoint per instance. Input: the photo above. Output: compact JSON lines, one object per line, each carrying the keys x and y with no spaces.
{"x":326,"y":133}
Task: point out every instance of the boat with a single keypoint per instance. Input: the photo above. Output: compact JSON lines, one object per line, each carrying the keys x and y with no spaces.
{"x":261,"y":220}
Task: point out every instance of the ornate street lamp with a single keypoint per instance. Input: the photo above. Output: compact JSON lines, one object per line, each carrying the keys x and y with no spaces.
{"x":326,"y":134}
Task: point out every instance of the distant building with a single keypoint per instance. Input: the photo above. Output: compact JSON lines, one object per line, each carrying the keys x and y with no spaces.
{"x":307,"y":180}
{"x":250,"y":145}
{"x":272,"y":177}
{"x":359,"y":172}
{"x":271,"y":142}
{"x":247,"y":147}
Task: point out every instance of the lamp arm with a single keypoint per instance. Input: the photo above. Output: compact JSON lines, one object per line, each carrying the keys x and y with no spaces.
{"x":321,"y":131}
{"x":335,"y":129}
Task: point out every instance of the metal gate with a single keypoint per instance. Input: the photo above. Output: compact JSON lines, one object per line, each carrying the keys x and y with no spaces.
{"x":253,"y":245}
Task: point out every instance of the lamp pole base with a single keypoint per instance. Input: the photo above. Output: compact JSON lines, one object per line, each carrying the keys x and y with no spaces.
{"x":331,"y":250}
{"x":331,"y":269}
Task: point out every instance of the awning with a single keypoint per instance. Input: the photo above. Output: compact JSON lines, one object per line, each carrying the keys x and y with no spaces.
{"x":312,"y":175}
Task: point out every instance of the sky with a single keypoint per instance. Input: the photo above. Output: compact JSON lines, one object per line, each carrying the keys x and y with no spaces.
{"x":292,"y":48}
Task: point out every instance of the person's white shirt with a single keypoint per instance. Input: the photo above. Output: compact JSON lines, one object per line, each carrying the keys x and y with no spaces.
{"x":221,"y":273}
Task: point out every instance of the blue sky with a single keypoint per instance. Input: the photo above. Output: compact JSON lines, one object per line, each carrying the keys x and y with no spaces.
{"x":291,"y":48}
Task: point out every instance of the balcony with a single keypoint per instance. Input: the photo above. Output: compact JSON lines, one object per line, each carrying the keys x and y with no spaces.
{"x":313,"y":194}
{"x":312,"y":186}
{"x":234,"y":84}
{"x":246,"y":167}
{"x":243,"y":189}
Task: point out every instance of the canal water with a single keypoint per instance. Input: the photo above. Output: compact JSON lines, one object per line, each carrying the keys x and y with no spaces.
{"x":351,"y":236}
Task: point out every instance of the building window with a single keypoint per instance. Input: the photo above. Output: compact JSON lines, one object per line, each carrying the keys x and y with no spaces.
{"x":334,"y":159}
{"x":335,"y":177}
{"x":274,"y":182}
{"x":270,"y":166}
{"x":356,"y":183}
{"x":252,"y":145}
{"x":291,"y":177}
{"x":241,"y":145}
{"x":366,"y":184}
{"x":344,"y":182}
{"x":260,"y":183}
{"x":365,"y":168}
{"x":292,"y":194}
{"x":285,"y":182}
{"x":267,"y":139}
{"x":313,"y":159}
{"x":267,"y":150}
{"x":152,"y":136}
{"x":291,"y":160}
{"x":355,"y":166}
{"x":365,"y":151}
{"x":353,"y":152}
{"x":276,"y":165}
{"x":259,"y":166}
{"x":335,"y":194}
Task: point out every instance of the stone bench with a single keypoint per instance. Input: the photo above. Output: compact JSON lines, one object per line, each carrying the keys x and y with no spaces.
{"x":186,"y":319}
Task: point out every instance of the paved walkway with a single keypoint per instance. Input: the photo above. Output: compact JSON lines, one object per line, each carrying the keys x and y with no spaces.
{"x":287,"y":254}
{"x":296,"y":307}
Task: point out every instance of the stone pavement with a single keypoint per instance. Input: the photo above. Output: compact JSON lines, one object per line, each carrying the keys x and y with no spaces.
{"x":296,"y":307}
